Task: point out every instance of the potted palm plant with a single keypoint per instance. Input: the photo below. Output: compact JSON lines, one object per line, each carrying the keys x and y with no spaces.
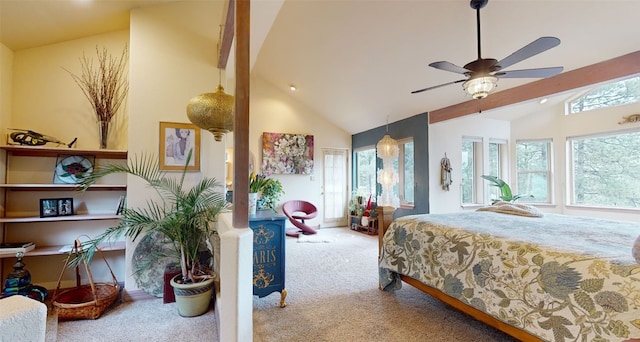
{"x":185,"y":216}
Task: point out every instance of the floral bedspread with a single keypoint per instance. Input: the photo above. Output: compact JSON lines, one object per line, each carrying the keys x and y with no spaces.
{"x":561,"y":278}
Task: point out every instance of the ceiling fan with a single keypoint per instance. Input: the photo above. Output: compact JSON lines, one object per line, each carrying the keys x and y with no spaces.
{"x":483,"y":73}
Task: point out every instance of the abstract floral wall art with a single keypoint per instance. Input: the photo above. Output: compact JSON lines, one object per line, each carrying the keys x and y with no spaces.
{"x":285,"y":154}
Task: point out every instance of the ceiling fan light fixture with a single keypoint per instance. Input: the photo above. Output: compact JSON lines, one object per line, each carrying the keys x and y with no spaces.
{"x":480,"y":87}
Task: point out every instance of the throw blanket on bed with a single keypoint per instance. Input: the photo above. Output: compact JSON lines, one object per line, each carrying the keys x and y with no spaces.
{"x":561,"y":278}
{"x":513,"y":209}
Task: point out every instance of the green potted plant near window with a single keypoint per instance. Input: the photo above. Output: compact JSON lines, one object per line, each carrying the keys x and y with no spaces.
{"x":186,"y":216}
{"x":505,"y":190}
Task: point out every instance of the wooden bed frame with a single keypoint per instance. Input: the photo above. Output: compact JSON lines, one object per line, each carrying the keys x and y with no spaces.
{"x":455,"y":303}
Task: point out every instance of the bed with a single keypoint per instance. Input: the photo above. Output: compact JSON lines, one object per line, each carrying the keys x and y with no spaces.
{"x":548,"y":278}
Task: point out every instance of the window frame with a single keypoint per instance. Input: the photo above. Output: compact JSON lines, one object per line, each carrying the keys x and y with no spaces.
{"x":568,"y":104}
{"x":476,"y":170}
{"x":571,"y":177}
{"x":548,"y":172}
{"x":402,"y":173}
{"x":356,"y":185}
{"x":502,"y":167}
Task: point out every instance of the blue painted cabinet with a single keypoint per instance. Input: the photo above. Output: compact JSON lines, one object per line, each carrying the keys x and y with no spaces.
{"x":268,"y":254}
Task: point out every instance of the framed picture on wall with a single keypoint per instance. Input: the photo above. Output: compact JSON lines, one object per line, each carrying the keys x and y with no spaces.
{"x":176,"y":140}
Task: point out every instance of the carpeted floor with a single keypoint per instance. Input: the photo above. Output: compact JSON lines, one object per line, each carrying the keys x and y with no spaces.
{"x":332,"y":285}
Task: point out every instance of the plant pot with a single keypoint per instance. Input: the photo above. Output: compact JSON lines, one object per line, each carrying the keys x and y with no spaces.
{"x":253,"y":203}
{"x":192,"y":299}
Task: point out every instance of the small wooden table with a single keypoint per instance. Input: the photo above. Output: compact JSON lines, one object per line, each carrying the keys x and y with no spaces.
{"x":370,"y":228}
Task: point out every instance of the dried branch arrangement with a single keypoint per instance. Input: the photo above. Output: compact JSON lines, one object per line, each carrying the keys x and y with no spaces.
{"x":105,"y":85}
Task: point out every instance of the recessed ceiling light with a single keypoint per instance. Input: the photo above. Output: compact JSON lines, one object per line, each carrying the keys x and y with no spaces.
{"x":292,"y":87}
{"x":543,"y":101}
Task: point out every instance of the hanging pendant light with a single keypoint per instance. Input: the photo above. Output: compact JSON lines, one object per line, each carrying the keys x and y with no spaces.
{"x":213,"y":111}
{"x":387,"y":150}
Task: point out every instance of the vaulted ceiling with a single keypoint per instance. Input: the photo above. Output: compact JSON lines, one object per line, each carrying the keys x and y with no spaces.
{"x":355,"y":62}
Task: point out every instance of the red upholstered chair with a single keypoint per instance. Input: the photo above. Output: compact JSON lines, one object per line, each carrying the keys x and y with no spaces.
{"x":297,"y":211}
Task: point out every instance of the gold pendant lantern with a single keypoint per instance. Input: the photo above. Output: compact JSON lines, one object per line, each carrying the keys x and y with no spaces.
{"x":213,"y":111}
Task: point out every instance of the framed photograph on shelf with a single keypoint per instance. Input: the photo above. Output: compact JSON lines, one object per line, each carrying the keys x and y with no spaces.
{"x":176,"y":140}
{"x":65,"y":206}
{"x":48,"y":207}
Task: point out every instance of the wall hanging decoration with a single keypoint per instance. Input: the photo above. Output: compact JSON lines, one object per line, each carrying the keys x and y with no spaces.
{"x":445,"y":173}
{"x":176,"y":139}
{"x":72,"y":169}
{"x":284,"y":153}
{"x":105,"y":86}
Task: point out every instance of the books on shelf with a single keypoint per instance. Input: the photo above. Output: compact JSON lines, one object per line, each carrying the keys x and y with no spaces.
{"x":15,"y":247}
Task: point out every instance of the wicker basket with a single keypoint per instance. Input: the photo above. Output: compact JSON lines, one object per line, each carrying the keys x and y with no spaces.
{"x":86,"y":301}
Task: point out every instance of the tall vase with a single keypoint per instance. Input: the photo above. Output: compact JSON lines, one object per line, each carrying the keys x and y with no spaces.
{"x":253,"y":202}
{"x":103,"y":133}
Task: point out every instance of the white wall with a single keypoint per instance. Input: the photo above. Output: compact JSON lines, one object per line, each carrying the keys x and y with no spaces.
{"x":272,"y":110}
{"x":446,"y":137}
{"x":549,"y":122}
{"x":552,"y":123}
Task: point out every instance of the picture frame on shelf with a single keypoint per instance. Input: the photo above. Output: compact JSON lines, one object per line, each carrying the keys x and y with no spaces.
{"x":65,"y":206}
{"x":48,"y":207}
{"x":176,"y":140}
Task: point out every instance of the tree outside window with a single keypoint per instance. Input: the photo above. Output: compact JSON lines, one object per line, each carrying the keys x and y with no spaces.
{"x":533,"y":165}
{"x":606,"y":170}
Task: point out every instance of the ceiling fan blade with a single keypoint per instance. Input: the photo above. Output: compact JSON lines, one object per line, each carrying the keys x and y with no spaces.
{"x":448,"y":66}
{"x":438,"y":86}
{"x":539,"y":45}
{"x":530,"y":73}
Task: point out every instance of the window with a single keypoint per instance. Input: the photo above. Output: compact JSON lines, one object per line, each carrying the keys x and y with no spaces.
{"x":607,"y":95}
{"x":533,"y":166}
{"x":471,"y":169}
{"x":365,"y":171}
{"x":404,"y":168}
{"x":606,"y":170}
{"x":497,"y":164}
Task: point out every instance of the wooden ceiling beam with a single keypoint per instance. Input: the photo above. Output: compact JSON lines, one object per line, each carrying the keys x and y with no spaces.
{"x":625,"y":65}
{"x":227,"y":35}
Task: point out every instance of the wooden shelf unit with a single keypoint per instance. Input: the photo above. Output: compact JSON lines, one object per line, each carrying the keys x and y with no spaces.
{"x":44,"y":151}
{"x":56,"y":250}
{"x":61,"y":187}
{"x":81,"y":217}
{"x":15,"y":189}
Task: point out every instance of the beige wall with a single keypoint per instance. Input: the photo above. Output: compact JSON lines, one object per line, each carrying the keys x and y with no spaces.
{"x":47,"y":100}
{"x":172,"y":60}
